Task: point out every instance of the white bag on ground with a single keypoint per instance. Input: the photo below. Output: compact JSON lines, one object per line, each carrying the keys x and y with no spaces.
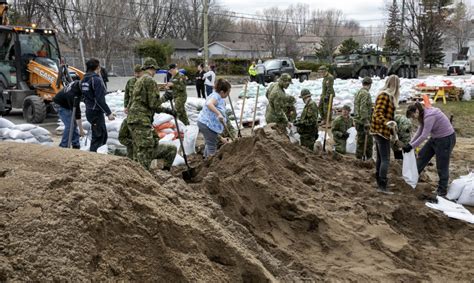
{"x":351,"y":144}
{"x":17,"y":134}
{"x":467,"y":195}
{"x":190,"y":137}
{"x":4,"y":123}
{"x":456,"y":188}
{"x":39,"y":131}
{"x":24,"y":127}
{"x":161,"y":118}
{"x":410,"y":171}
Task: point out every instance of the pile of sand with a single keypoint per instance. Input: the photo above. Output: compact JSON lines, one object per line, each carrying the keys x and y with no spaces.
{"x":262,"y":209}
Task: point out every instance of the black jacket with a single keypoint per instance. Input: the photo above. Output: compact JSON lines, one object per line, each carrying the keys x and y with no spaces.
{"x":93,"y":90}
{"x":69,"y":97}
{"x":200,"y":78}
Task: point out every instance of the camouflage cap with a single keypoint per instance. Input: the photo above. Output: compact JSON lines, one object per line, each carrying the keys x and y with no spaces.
{"x":285,"y":78}
{"x":305,"y":92}
{"x":137,"y":68}
{"x":323,"y":68}
{"x":346,"y":107}
{"x":150,"y":63}
{"x":367,"y":81}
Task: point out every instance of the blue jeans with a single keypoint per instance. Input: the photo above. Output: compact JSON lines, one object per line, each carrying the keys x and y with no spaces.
{"x":383,"y":160}
{"x":210,"y":139}
{"x":442,"y":148}
{"x":209,"y":90}
{"x":65,"y":115}
{"x":98,"y":128}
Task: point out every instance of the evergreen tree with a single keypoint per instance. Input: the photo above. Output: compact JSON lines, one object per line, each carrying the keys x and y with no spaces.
{"x":326,"y":50}
{"x":393,"y":33}
{"x":348,"y":46}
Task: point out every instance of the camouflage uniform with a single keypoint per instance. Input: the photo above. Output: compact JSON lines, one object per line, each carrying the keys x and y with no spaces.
{"x":128,"y":91}
{"x":308,"y":122}
{"x":328,"y":89}
{"x":290,"y":108}
{"x":362,"y":113}
{"x":145,"y":102}
{"x":180,"y":97}
{"x":339,"y":131}
{"x":125,"y":137}
{"x":404,"y":126}
{"x":278,"y":103}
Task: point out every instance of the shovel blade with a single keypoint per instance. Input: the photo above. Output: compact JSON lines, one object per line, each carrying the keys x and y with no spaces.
{"x":189,"y":174}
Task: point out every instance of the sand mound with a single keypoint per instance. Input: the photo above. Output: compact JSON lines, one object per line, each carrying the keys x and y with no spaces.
{"x":263,"y":210}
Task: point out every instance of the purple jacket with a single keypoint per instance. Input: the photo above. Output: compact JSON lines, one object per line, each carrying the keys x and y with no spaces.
{"x":435,"y":123}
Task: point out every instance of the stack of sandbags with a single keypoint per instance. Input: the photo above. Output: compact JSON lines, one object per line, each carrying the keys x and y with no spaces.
{"x":193,"y":106}
{"x":252,"y":89}
{"x":462,"y":190}
{"x":165,"y":127}
{"x":24,"y":133}
{"x":113,"y":128}
{"x":249,"y":108}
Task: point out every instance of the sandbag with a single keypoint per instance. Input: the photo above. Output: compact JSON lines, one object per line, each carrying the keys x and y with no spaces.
{"x":4,"y":123}
{"x":4,"y":133}
{"x":112,"y":141}
{"x":467,"y":195}
{"x":351,"y":144}
{"x":161,"y":118}
{"x":44,"y":138}
{"x":456,"y":188}
{"x":32,"y":140}
{"x":167,"y":137}
{"x":86,"y":125}
{"x":39,"y":131}
{"x":114,"y":126}
{"x":410,"y":171}
{"x":103,"y":149}
{"x":167,"y":125}
{"x":17,"y":134}
{"x":190,"y":137}
{"x":24,"y":127}
{"x":113,"y":135}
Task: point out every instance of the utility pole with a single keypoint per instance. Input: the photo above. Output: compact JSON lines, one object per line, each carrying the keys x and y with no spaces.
{"x":402,"y":41}
{"x":206,"y":31}
{"x":83,"y":59}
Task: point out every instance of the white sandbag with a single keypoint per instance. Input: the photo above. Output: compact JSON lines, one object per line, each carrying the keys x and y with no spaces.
{"x":351,"y":143}
{"x":44,"y":138}
{"x":410,"y":171}
{"x":168,"y":137}
{"x":113,"y":135}
{"x":103,"y":149}
{"x":167,"y":130}
{"x":39,"y":131}
{"x":4,"y":133}
{"x":190,"y":137}
{"x":161,"y":118}
{"x":461,"y":216}
{"x":48,"y":143}
{"x":86,"y":125}
{"x":445,"y":205}
{"x":178,"y":160}
{"x":24,"y":127}
{"x":17,"y":134}
{"x":467,"y":195}
{"x":4,"y":123}
{"x":181,"y":125}
{"x":32,"y":140}
{"x":456,"y":188}
{"x":114,"y":126}
{"x":111,"y":141}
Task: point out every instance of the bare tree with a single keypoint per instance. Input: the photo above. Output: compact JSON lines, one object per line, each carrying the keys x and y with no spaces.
{"x":460,"y":28}
{"x":274,"y":28}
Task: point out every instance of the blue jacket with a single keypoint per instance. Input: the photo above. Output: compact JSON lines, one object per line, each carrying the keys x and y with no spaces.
{"x":94,"y":91}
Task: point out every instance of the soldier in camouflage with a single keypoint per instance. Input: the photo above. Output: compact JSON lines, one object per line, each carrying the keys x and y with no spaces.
{"x":177,"y":84}
{"x":278,"y":103}
{"x":328,"y":89}
{"x":308,"y":122}
{"x":404,"y":127}
{"x":290,"y":108}
{"x":125,"y":136}
{"x":362,"y":115}
{"x":340,"y":125}
{"x":145,"y":102}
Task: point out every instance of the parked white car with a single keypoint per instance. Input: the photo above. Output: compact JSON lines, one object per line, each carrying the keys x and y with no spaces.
{"x":459,"y":67}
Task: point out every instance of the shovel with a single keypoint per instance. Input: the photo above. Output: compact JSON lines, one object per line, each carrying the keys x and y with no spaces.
{"x":189,"y":174}
{"x":255,"y":109}
{"x":235,"y":117}
{"x":71,"y":125}
{"x":328,"y":120}
{"x":364,"y":157}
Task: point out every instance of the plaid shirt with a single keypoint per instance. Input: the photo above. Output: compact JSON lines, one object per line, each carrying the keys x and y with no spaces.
{"x":383,"y":112}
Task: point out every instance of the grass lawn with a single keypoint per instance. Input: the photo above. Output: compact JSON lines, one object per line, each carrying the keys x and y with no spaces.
{"x":463,"y":112}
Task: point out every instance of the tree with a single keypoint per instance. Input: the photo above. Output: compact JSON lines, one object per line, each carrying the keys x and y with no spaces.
{"x":274,"y":28}
{"x":393,"y":33}
{"x":425,"y":29}
{"x":348,"y":46}
{"x":326,"y":51}
{"x":160,"y":51}
{"x":460,"y":27}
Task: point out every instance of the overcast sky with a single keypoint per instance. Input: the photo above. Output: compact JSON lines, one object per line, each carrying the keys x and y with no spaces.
{"x":368,"y":12}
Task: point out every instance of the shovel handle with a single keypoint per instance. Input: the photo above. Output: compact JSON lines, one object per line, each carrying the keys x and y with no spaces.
{"x":179,"y":136}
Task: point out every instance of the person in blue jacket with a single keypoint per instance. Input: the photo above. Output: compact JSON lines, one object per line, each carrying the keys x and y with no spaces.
{"x":94,"y":91}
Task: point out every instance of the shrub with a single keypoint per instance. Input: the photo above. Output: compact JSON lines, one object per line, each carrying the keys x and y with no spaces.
{"x":160,"y":51}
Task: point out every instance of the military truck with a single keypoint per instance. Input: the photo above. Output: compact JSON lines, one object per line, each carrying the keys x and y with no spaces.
{"x":357,"y":65}
{"x":275,"y":67}
{"x":403,"y":64}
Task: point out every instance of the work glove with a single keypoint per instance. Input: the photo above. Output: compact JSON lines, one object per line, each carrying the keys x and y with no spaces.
{"x":367,"y":127}
{"x":345,"y":136}
{"x":170,"y":112}
{"x":407,"y":148}
{"x":168,"y":95}
{"x":391,"y":124}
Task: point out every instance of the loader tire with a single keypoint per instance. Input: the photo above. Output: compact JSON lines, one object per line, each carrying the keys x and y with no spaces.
{"x":34,"y":109}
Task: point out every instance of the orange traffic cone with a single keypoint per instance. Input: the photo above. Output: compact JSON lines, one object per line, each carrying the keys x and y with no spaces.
{"x":426,"y":101}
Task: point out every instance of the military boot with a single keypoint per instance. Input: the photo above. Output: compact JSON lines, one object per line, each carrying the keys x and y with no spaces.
{"x":382,"y":187}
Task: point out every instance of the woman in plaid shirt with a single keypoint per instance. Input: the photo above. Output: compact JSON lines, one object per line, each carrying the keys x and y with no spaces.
{"x":384,"y":112}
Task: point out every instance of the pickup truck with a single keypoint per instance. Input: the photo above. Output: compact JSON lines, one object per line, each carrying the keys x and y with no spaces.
{"x":275,"y":67}
{"x":460,"y":67}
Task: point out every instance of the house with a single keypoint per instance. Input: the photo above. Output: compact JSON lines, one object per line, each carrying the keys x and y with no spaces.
{"x":308,"y":44}
{"x":183,"y":49}
{"x":238,"y":49}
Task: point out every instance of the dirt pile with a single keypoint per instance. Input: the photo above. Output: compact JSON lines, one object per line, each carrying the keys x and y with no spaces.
{"x":323,"y":218}
{"x":262,"y":210}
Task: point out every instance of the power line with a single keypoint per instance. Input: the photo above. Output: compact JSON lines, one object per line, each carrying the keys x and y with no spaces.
{"x":194,"y":28}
